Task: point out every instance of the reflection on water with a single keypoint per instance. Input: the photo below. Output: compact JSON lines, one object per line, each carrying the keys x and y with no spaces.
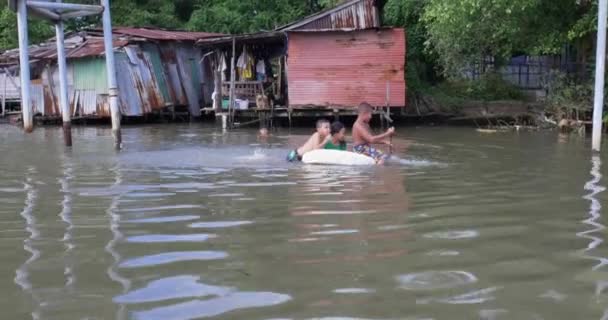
{"x":593,"y":234}
{"x":23,"y":273}
{"x":191,"y":223}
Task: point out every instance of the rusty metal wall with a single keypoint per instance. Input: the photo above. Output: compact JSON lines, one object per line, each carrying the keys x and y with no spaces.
{"x":149,"y":79}
{"x":343,"y":69}
{"x":12,"y":92}
{"x":187,"y":57}
{"x":176,"y":90}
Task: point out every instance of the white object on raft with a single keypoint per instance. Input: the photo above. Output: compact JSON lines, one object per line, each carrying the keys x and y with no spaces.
{"x":337,"y":157}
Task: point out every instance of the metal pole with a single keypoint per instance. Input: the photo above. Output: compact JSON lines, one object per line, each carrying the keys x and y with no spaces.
{"x":63,"y":85}
{"x":110,"y":67}
{"x":24,"y":66}
{"x":600,"y":64}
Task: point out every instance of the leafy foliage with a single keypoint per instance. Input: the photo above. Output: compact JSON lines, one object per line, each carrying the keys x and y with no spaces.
{"x":568,"y":96}
{"x":229,"y":16}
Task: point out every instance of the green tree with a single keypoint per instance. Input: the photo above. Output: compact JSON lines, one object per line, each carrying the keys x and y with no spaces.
{"x":38,"y":30}
{"x":243,"y":16}
{"x":421,"y":63}
{"x":464,"y":31}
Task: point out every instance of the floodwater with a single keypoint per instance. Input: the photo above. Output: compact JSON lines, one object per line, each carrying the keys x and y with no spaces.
{"x":190,"y":223}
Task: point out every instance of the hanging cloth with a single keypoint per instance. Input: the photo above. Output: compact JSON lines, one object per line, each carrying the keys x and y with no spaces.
{"x":222,"y":67}
{"x":260,"y":70}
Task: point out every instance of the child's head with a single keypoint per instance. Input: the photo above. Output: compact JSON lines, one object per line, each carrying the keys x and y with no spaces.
{"x":323,"y":128}
{"x":338,"y":131}
{"x":263,"y":133}
{"x":365,"y":111}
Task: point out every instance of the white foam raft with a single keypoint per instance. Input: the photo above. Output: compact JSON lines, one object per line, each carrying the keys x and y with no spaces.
{"x":337,"y":157}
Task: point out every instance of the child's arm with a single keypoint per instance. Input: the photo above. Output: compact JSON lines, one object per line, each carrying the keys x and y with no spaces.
{"x":373,"y":139}
{"x":324,"y":142}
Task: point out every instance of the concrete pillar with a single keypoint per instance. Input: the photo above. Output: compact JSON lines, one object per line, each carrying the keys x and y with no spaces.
{"x":111,"y":70}
{"x":24,"y":66}
{"x":63,"y":85}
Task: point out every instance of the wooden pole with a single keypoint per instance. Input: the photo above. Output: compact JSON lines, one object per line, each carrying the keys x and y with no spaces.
{"x":232,"y":80}
{"x":387,"y":115}
{"x":217,"y":84}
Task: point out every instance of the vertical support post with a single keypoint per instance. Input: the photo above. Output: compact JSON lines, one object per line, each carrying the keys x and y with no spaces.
{"x":232,"y":79}
{"x":24,"y":66}
{"x":519,"y":76}
{"x":600,"y":65}
{"x":224,"y":121}
{"x":4,"y":95}
{"x":63,"y":85}
{"x":217,"y":84}
{"x":111,"y":70}
{"x":279,"y":92}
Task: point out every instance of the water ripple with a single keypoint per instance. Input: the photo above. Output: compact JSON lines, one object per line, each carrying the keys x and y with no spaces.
{"x":219,"y":224}
{"x":172,"y":288}
{"x":432,"y":280}
{"x":453,"y":235}
{"x":354,"y":290}
{"x":162,"y":208}
{"x":166,"y":238}
{"x":172,"y":257}
{"x":163,"y":219}
{"x":213,"y":307}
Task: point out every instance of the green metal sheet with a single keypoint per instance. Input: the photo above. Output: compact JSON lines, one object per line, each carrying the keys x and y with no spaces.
{"x":153,"y":54}
{"x":90,"y":74}
{"x":196,"y":75}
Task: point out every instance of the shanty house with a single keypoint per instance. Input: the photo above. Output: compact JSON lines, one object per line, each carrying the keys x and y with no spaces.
{"x":333,"y":60}
{"x":156,"y":69}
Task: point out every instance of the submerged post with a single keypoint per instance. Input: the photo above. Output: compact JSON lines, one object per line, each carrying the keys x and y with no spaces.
{"x":63,"y":85}
{"x":111,"y":70}
{"x":600,"y":65}
{"x":24,"y":66}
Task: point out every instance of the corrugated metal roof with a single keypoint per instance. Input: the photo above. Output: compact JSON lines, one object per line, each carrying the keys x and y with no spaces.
{"x":75,"y":47}
{"x":164,"y":35}
{"x":257,"y":38}
{"x":90,"y":43}
{"x":150,"y":75}
{"x":343,"y":69}
{"x":354,"y":14}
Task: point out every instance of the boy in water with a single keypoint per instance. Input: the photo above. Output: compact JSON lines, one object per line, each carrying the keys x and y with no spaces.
{"x":363,"y":138}
{"x":337,"y":132}
{"x":316,"y":141}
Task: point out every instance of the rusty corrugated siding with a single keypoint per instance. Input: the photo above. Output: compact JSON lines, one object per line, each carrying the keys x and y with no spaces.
{"x":356,"y":14}
{"x":168,"y":54}
{"x":343,"y":69}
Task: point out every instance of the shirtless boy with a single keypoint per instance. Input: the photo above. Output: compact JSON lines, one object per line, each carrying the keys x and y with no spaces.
{"x":316,"y":141}
{"x":363,"y":138}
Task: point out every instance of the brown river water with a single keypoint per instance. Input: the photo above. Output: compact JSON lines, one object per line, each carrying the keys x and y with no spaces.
{"x":189,"y":223}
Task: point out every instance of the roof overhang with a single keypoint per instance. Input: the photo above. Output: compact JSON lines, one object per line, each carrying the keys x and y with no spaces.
{"x":274,"y":37}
